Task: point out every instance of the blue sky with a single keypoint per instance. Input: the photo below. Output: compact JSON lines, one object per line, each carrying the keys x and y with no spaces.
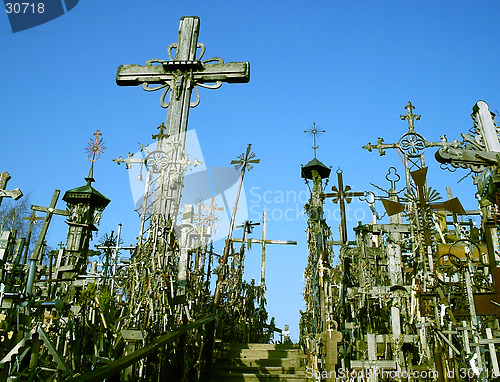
{"x":349,"y":66}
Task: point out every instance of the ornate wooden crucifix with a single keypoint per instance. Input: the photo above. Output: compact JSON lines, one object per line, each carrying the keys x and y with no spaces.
{"x":14,"y":194}
{"x":182,"y":73}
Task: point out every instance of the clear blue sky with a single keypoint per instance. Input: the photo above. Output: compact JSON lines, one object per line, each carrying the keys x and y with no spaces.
{"x":350,"y":66}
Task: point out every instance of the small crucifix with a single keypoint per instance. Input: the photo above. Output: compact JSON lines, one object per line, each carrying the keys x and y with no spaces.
{"x":14,"y":194}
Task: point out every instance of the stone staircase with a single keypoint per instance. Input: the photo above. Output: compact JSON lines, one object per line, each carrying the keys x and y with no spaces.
{"x":258,"y":362}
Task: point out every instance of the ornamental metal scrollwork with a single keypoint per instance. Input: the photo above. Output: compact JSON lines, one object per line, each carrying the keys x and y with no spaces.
{"x":412,"y":144}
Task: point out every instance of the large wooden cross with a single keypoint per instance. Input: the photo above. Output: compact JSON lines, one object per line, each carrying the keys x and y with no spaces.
{"x":14,"y":194}
{"x":263,"y":242}
{"x":182,"y":73}
{"x":37,"y":252}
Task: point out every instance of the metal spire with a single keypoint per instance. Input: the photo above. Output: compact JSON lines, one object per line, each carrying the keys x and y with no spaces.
{"x":94,"y":149}
{"x":314,"y":131}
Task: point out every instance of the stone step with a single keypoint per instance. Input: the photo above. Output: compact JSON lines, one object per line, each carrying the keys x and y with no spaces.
{"x":257,"y":362}
{"x":250,"y":377}
{"x":235,"y":346}
{"x":260,"y":353}
{"x":262,"y":369}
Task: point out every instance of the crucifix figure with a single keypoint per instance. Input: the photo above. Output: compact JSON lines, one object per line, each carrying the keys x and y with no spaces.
{"x":14,"y":194}
{"x":182,"y":73}
{"x":263,"y":242}
{"x":342,"y":195}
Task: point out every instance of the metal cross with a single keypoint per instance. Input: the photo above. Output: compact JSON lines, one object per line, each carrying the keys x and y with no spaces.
{"x":411,"y":144}
{"x":342,"y":195}
{"x":263,"y":241}
{"x":14,"y":194}
{"x":243,"y":163}
{"x":314,"y":131}
{"x":475,"y":152}
{"x":410,"y":116}
{"x":182,"y":74}
{"x":211,"y":208}
{"x":489,"y":303}
{"x":95,"y":147}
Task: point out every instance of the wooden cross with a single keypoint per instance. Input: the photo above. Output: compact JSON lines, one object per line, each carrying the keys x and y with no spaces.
{"x":211,"y":208}
{"x":342,"y":195}
{"x":330,"y":338}
{"x":37,"y":252}
{"x":263,"y":242}
{"x":490,"y":341}
{"x":182,"y":74}
{"x":14,"y":194}
{"x":32,"y":219}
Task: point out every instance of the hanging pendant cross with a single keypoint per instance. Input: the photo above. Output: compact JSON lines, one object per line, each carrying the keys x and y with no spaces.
{"x":181,"y":74}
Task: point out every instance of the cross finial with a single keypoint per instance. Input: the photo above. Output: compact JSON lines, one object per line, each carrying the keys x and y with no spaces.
{"x":95,"y":147}
{"x":410,"y":116}
{"x":161,"y":134}
{"x":314,"y":131}
{"x":244,"y":160}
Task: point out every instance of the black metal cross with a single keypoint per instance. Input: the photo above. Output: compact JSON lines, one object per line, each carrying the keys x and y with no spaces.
{"x":342,"y":195}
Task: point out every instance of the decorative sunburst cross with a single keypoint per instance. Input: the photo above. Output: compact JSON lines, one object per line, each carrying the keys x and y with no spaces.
{"x":95,"y":147}
{"x":245,"y":161}
{"x":314,"y":131}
